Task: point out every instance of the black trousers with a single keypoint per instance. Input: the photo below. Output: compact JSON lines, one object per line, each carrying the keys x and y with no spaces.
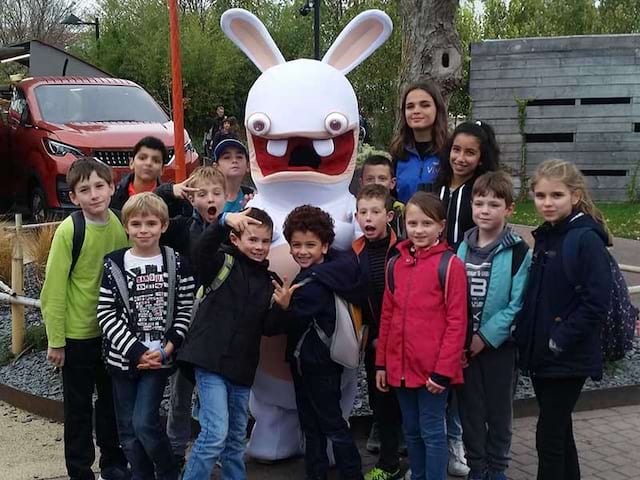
{"x":486,"y":406}
{"x":84,"y":372}
{"x":386,"y":413}
{"x":557,"y":454}
{"x":318,"y":401}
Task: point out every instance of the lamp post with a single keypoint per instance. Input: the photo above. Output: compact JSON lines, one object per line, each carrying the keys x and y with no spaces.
{"x":304,"y":11}
{"x":73,"y":20}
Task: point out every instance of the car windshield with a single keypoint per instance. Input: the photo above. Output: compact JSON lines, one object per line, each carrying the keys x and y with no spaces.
{"x":97,"y":103}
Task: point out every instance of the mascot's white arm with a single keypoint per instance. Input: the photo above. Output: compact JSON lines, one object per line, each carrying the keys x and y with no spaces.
{"x":302,"y":130}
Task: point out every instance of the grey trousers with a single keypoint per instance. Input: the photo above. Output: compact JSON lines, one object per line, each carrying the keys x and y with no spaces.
{"x":486,"y":408}
{"x":179,"y":419}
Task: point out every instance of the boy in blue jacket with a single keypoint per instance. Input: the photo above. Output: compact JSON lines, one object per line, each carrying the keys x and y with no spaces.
{"x":497,"y":262}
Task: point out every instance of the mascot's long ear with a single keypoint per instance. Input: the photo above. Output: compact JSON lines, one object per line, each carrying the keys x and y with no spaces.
{"x":359,"y":39}
{"x":245,"y":30}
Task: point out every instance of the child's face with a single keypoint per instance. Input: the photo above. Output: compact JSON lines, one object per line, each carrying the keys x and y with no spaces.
{"x":147,"y":164}
{"x":422,"y":230}
{"x":92,"y":195}
{"x":307,"y":249}
{"x":232,"y":162}
{"x":489,"y":212}
{"x":554,"y":201}
{"x":378,"y":175}
{"x":420,"y":110}
{"x":373,"y":217}
{"x":254,"y":242}
{"x":209,"y":200}
{"x":144,"y":231}
{"x":465,"y":155}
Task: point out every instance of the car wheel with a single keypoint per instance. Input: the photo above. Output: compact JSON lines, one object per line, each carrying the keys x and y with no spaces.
{"x":38,"y":205}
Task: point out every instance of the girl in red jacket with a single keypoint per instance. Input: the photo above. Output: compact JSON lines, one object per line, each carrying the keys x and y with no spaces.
{"x":422,"y":333}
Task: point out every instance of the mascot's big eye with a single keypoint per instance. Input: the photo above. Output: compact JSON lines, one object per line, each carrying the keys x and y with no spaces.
{"x":259,"y":124}
{"x":336,"y":123}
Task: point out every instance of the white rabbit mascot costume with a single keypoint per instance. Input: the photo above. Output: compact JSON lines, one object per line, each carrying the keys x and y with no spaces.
{"x":302,"y":131}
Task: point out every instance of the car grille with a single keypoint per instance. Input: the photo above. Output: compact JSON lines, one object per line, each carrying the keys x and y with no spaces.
{"x":120,"y":158}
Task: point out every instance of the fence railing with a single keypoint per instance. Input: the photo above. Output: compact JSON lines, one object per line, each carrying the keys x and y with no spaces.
{"x":14,"y":294}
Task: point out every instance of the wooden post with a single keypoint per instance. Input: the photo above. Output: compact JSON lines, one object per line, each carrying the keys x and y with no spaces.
{"x":17,"y":285}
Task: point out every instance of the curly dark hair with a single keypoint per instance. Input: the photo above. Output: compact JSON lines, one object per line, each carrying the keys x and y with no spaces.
{"x":307,"y":218}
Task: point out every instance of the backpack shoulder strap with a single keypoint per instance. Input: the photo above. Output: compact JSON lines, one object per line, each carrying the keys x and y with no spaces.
{"x":390,"y":266}
{"x":519,"y":253}
{"x":121,"y":285}
{"x":443,"y":271}
{"x":79,"y":225}
{"x":117,"y":213}
{"x":170,"y":256}
{"x":220,"y":278}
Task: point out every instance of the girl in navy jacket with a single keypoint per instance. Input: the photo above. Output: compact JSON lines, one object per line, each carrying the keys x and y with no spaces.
{"x":416,"y":146}
{"x":558,"y":330}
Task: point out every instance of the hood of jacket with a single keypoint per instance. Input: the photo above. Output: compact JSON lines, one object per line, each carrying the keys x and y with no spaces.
{"x":575,"y":220}
{"x":506,"y":239}
{"x":341,"y":273}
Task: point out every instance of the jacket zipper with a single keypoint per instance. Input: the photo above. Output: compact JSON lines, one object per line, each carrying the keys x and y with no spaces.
{"x":404,"y":320}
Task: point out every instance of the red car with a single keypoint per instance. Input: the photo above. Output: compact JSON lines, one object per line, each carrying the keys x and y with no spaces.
{"x":53,"y":120}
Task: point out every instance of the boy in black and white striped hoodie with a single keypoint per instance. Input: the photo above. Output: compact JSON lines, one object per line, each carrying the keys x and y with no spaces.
{"x":144,"y":310}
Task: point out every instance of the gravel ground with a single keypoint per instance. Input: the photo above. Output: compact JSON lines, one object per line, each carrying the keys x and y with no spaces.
{"x":33,"y":374}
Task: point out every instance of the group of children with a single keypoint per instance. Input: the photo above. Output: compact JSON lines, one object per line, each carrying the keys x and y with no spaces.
{"x":448,"y":290}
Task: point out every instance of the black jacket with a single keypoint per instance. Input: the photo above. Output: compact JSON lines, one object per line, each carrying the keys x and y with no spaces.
{"x":224,"y":336}
{"x":458,"y":207}
{"x":339,"y":273}
{"x":555,"y":309}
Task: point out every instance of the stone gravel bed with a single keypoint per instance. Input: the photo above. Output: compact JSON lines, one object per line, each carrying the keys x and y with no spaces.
{"x":32,"y":373}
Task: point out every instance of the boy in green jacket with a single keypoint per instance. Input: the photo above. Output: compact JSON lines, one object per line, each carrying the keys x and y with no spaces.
{"x":69,"y":299}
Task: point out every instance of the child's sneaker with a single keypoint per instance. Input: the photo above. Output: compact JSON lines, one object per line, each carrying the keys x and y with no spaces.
{"x":373,"y":442}
{"x":457,"y":461}
{"x":407,"y":475}
{"x":115,"y":473}
{"x":380,"y":474}
{"x":476,"y":476}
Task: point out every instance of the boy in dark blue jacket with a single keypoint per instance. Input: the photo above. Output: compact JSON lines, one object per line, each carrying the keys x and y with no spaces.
{"x":316,"y":377}
{"x":497,"y":263}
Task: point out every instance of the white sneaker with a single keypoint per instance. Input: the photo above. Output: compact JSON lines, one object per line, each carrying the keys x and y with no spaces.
{"x":457,"y":461}
{"x":407,"y":476}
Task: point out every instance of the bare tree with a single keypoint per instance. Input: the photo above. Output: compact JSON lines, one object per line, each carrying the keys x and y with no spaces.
{"x":430,"y":43}
{"x":22,"y":20}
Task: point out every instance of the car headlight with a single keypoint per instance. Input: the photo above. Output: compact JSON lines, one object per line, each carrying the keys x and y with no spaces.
{"x":61,"y":149}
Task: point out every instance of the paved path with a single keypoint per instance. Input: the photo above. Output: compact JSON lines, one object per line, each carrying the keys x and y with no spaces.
{"x":608,"y":443}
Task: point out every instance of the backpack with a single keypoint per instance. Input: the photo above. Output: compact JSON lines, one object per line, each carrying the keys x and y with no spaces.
{"x":79,"y":224}
{"x":618,"y":327}
{"x":443,"y":271}
{"x":217,"y":282}
{"x":346,"y":344}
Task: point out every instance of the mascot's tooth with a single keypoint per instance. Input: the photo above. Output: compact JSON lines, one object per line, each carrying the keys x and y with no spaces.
{"x":277,"y":148}
{"x":324,"y":148}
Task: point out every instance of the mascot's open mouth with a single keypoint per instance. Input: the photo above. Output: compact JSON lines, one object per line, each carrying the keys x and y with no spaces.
{"x":300,"y":154}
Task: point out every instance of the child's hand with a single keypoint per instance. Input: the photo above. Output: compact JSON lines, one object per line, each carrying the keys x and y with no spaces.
{"x":181,"y":190}
{"x":150,"y":360}
{"x":169,"y":348}
{"x":465,"y":359}
{"x":282,"y":293}
{"x":381,"y":381}
{"x":477,"y":345}
{"x":240,"y":221}
{"x":247,"y":198}
{"x":434,"y":388}
{"x":56,"y":356}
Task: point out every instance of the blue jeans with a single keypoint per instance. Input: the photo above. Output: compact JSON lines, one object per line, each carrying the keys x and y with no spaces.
{"x":137,"y":403}
{"x":224,"y":413}
{"x":454,"y":424}
{"x":423,"y":419}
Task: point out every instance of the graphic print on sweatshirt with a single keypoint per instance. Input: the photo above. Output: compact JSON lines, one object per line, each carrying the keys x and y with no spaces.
{"x":478,"y":279}
{"x":147,"y":297}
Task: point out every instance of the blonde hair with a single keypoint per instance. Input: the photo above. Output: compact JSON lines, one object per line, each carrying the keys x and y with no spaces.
{"x":567,"y":173}
{"x":146,"y":203}
{"x":207,"y":174}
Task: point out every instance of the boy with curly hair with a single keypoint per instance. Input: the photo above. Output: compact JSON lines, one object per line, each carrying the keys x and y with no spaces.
{"x":310,"y":305}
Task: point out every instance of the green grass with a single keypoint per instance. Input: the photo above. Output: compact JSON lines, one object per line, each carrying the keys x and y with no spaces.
{"x":623,"y":218}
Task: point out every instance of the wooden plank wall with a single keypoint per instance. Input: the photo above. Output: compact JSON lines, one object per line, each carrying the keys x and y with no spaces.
{"x":606,"y":136}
